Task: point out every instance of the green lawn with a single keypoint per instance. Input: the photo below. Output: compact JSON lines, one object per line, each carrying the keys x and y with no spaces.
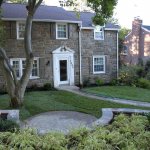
{"x":43,"y":101}
{"x":125,"y":92}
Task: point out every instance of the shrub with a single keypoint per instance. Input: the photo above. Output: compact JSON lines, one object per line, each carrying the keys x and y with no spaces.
{"x":3,"y":90}
{"x":125,"y":133}
{"x":143,"y":83}
{"x":33,"y":87}
{"x":114,"y":82}
{"x":147,"y":66}
{"x":8,"y":125}
{"x":54,"y":141}
{"x":76,"y":136}
{"x":99,"y":82}
{"x":47,"y":86}
{"x":128,"y":76}
{"x":148,"y":75}
{"x":86,"y":82}
{"x":148,"y":116}
{"x":140,"y":71}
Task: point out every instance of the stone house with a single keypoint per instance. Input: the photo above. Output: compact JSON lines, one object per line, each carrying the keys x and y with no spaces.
{"x":137,"y":43}
{"x":67,"y":50}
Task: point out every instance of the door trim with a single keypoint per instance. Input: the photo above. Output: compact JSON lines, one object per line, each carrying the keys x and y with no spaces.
{"x":63,"y":53}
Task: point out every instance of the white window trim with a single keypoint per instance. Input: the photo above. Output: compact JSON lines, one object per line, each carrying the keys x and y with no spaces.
{"x":99,"y":56}
{"x":99,"y":31}
{"x":36,"y":77}
{"x":20,"y":65}
{"x":17,"y":30}
{"x":66,"y":31}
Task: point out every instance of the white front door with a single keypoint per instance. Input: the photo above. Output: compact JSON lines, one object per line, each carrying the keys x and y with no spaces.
{"x":63,"y":67}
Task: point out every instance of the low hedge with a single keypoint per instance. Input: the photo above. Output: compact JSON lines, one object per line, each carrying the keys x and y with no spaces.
{"x":126,"y":132}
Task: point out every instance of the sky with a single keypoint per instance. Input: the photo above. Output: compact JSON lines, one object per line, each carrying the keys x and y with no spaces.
{"x":125,"y":11}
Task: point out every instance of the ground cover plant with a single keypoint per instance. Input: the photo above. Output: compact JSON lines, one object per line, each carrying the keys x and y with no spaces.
{"x":44,"y":101}
{"x":125,"y":133}
{"x":124,"y":92}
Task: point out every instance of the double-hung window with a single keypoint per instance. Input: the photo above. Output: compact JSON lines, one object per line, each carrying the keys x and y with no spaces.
{"x":98,"y":64}
{"x":61,"y":31}
{"x":19,"y":67}
{"x":20,"y":30}
{"x":99,"y":33}
{"x":16,"y":67}
{"x":35,"y":68}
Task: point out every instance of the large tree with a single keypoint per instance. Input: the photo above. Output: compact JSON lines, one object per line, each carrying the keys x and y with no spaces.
{"x":16,"y":88}
{"x":103,"y":8}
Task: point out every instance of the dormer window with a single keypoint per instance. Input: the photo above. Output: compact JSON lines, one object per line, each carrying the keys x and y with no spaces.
{"x":61,"y":31}
{"x":99,"y":33}
{"x":20,"y":30}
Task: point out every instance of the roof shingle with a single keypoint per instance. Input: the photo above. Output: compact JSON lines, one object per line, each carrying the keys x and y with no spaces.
{"x":18,"y":11}
{"x":86,"y":18}
{"x":15,"y":11}
{"x":146,"y":27}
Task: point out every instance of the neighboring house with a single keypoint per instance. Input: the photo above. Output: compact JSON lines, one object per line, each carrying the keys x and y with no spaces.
{"x":137,"y":43}
{"x":67,"y":50}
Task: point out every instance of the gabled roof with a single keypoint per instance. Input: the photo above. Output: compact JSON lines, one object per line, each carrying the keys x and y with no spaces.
{"x":86,"y":18}
{"x":15,"y":11}
{"x":146,"y":27}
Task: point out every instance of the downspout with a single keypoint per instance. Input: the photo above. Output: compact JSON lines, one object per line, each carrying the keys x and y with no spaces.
{"x":117,"y":57}
{"x":80,"y":57}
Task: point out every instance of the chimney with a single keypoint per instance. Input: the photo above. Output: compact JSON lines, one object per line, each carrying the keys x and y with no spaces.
{"x":136,"y":25}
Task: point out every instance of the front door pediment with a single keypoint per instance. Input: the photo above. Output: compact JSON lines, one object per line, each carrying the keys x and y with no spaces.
{"x":63,"y":50}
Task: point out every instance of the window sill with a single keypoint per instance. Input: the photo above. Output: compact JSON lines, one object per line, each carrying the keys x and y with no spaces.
{"x":99,"y":39}
{"x":61,"y":38}
{"x":99,"y":72}
{"x":32,"y":78}
{"x":20,"y":38}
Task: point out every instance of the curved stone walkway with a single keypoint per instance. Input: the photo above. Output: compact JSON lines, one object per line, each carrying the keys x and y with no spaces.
{"x":62,"y":121}
{"x":76,"y":90}
{"x":108,"y":114}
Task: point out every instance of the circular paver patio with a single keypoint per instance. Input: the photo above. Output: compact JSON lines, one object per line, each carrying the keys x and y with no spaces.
{"x":59,"y":121}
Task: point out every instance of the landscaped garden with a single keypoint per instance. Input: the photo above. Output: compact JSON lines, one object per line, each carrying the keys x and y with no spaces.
{"x":123,"y":92}
{"x":124,"y":133}
{"x":43,"y":101}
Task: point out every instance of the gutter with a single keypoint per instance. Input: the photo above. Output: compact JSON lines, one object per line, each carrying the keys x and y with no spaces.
{"x":80,"y":56}
{"x":117,"y":57}
{"x":41,"y":20}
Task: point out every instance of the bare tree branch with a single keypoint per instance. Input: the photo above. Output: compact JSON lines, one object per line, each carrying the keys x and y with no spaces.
{"x":28,"y":44}
{"x":1,"y":1}
{"x":9,"y":67}
{"x":37,"y":5}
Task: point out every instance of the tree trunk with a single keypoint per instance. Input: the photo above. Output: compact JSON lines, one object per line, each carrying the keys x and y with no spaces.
{"x":16,"y":88}
{"x":15,"y":102}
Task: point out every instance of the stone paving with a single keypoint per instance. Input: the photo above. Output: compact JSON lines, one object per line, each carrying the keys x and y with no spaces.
{"x":76,"y":90}
{"x":62,"y":121}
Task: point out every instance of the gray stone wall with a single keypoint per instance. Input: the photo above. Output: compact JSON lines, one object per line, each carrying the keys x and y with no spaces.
{"x":44,"y":42}
{"x":107,"y":47}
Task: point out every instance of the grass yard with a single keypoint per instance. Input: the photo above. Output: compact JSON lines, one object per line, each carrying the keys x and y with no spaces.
{"x":44,"y":101}
{"x":125,"y":92}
